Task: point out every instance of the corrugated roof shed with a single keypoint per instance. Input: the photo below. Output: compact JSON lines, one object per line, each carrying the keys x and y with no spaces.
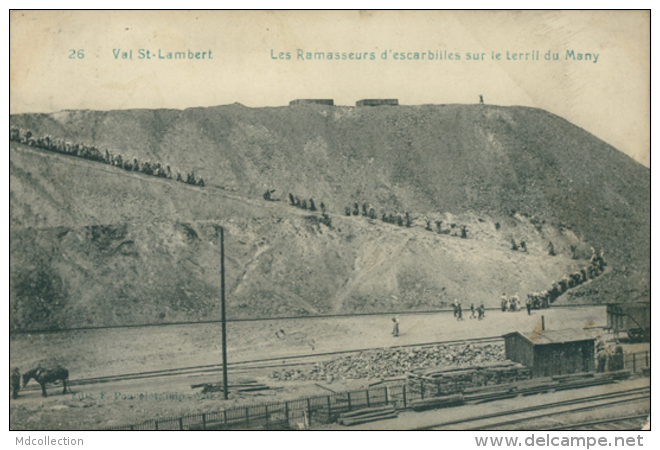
{"x":555,"y":336}
{"x":552,"y":352}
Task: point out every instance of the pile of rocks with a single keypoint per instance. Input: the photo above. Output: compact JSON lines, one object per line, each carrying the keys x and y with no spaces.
{"x":384,"y":363}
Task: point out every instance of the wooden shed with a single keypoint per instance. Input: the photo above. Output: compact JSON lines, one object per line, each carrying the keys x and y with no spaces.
{"x":556,"y":352}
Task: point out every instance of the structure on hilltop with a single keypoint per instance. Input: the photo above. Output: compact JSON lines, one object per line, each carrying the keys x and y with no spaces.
{"x":377,"y":102}
{"x":312,"y":101}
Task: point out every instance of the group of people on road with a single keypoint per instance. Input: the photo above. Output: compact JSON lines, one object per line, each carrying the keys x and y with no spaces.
{"x":458,"y":311}
{"x":510,"y":303}
{"x":478,"y":313}
{"x":514,"y":304}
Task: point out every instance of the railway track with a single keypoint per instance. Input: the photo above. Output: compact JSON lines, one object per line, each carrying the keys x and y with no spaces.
{"x":501,"y":419}
{"x":266,"y":319}
{"x":626,"y":423}
{"x":267,"y":363}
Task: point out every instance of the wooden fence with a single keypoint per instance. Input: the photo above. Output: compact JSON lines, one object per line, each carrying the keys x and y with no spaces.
{"x":293,"y":414}
{"x":308,"y":412}
{"x":637,"y":361}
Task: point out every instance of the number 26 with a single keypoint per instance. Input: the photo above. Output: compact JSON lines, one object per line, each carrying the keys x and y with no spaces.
{"x":80,"y":54}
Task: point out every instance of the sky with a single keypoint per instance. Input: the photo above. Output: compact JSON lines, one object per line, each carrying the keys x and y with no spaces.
{"x":73,"y":60}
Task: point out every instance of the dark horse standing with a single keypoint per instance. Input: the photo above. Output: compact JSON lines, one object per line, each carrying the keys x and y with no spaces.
{"x":43,"y":376}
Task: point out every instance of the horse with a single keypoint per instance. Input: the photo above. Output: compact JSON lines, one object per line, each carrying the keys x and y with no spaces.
{"x":43,"y":376}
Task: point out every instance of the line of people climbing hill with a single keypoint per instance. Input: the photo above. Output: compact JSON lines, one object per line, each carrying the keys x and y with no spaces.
{"x":93,"y":153}
{"x":440,"y":230}
{"x":397,"y":219}
{"x":366,"y":211}
{"x":302,"y":203}
{"x":538,"y":300}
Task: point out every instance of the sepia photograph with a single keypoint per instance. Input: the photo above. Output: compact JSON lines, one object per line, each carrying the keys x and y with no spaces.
{"x":329,"y":220}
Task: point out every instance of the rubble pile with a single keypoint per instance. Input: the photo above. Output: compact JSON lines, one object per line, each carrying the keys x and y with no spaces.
{"x":384,"y":363}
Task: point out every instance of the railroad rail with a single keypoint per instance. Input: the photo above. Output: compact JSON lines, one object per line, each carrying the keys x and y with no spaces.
{"x":601,"y":400}
{"x":266,"y":319}
{"x":256,"y":364}
{"x":626,"y":423}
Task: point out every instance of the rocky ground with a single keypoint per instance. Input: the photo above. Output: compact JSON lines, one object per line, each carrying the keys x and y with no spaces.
{"x":385,"y":363}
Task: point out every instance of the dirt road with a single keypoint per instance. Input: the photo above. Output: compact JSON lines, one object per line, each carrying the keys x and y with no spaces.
{"x":103,"y":352}
{"x":126,"y":350}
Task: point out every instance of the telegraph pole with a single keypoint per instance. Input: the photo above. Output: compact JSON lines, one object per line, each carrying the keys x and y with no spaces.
{"x":224,"y":318}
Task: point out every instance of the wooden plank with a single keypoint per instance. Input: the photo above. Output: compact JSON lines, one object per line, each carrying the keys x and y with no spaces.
{"x":397,"y":378}
{"x":596,"y":382}
{"x":325,"y":387}
{"x":535,"y":382}
{"x":505,"y":387}
{"x":365,"y":416}
{"x":573,"y":376}
{"x":367,"y":411}
{"x":437,"y":402}
{"x":485,"y":366}
{"x":490,"y":398}
{"x":419,"y":377}
{"x":220,"y":386}
{"x":253,"y":388}
{"x":370,"y":419}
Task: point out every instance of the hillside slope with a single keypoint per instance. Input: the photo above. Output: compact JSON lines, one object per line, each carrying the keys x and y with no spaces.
{"x":99,"y":245}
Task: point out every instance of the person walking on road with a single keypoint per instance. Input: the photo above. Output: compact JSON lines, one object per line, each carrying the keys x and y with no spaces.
{"x":482,"y":311}
{"x":15,"y":382}
{"x":395,"y":329}
{"x":472,"y":316}
{"x":513,"y":304}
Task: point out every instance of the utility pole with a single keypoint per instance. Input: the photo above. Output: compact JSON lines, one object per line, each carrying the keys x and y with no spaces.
{"x":224,"y":318}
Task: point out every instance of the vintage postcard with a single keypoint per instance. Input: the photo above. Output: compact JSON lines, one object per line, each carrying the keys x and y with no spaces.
{"x":346,"y":220}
